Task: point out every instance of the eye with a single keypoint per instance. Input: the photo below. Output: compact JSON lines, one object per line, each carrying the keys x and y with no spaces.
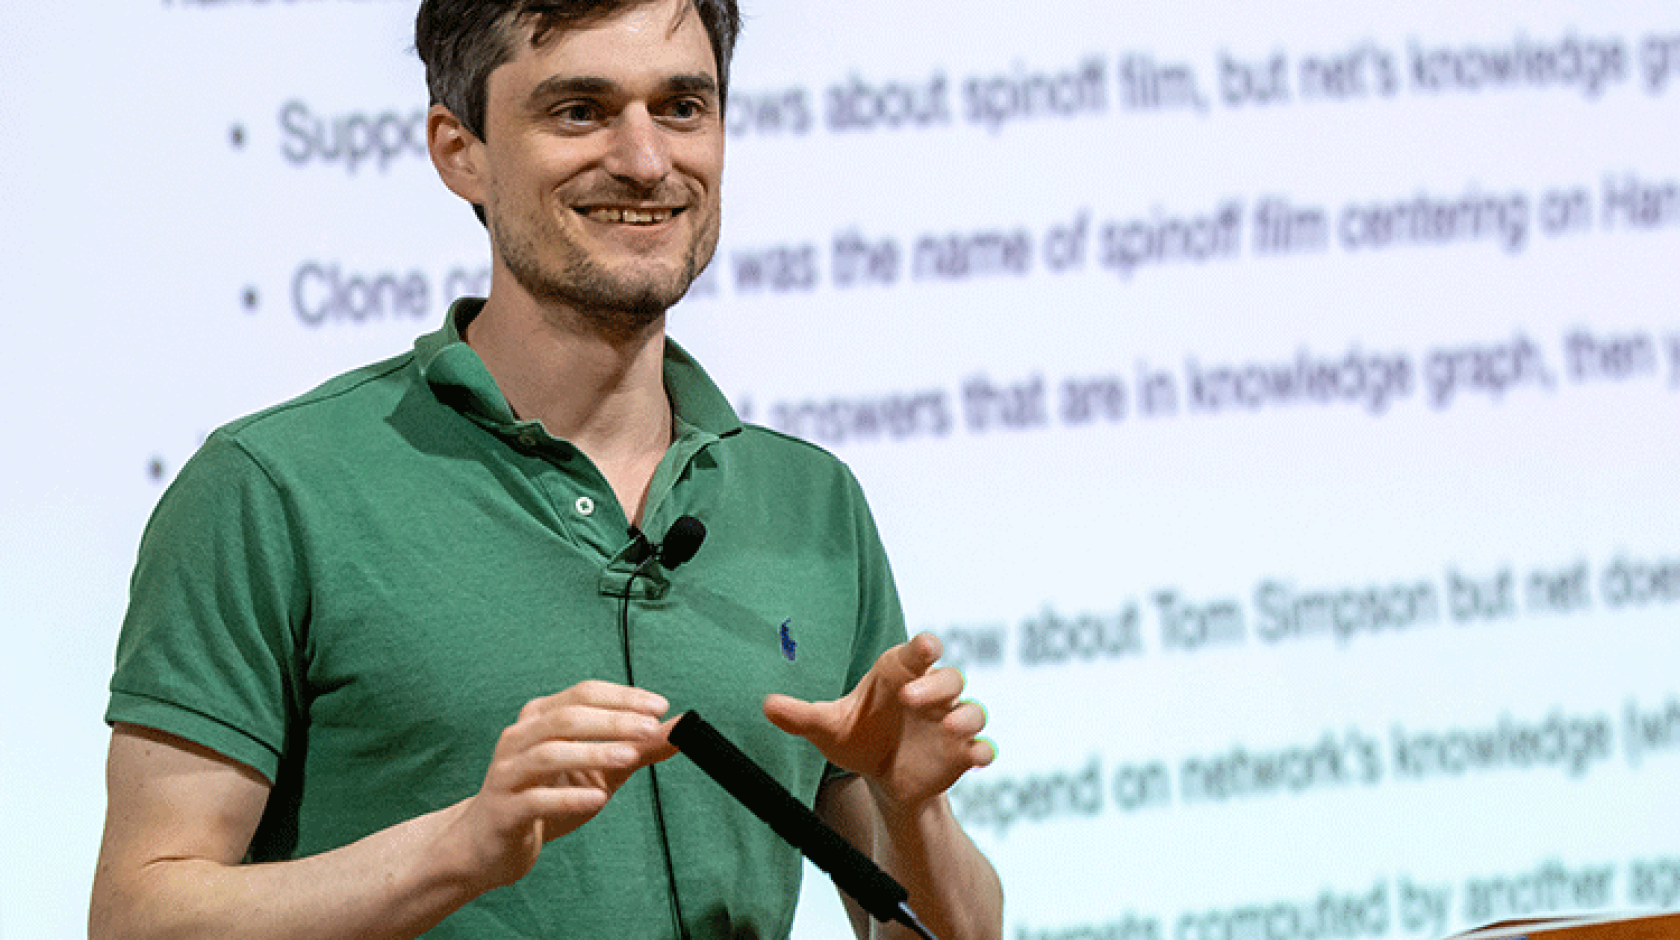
{"x":577,"y":112}
{"x":686,"y":110}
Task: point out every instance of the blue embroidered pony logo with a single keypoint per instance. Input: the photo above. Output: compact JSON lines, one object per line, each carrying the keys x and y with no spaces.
{"x":788,"y":646}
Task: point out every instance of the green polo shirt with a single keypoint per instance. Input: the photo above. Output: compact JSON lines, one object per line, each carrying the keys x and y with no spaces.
{"x":354,"y":592}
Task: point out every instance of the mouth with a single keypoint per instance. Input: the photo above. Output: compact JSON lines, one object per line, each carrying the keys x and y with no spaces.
{"x":630,"y":216}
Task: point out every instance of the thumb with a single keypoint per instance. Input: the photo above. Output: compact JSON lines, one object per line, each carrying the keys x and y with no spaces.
{"x":795,"y":716}
{"x":661,"y":747}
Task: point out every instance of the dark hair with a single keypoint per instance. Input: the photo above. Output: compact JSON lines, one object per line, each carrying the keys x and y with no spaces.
{"x":463,"y":41}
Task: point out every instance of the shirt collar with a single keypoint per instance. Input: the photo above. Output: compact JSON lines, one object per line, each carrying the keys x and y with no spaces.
{"x":460,"y":379}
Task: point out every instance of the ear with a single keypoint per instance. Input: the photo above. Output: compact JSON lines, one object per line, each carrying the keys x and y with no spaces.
{"x":457,"y":153}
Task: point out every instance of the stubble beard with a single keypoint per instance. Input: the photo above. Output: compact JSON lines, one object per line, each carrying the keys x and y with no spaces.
{"x":618,"y":304}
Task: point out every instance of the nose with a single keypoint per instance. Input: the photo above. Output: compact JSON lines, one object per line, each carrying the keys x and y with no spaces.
{"x":638,"y":154}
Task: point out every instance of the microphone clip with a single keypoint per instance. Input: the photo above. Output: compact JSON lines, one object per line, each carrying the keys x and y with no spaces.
{"x":641,"y":549}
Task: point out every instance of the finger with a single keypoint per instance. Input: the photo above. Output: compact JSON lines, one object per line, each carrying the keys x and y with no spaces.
{"x":579,"y":724}
{"x":796,"y":716}
{"x":608,"y":695}
{"x":981,"y":752}
{"x":518,"y":809}
{"x":551,"y":802}
{"x":919,"y":653}
{"x":593,"y":709}
{"x":968,"y":719}
{"x":577,"y":763}
{"x":941,"y":687}
{"x":589,"y":710}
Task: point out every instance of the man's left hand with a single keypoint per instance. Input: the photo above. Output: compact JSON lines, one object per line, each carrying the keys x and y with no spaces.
{"x":903,"y":728}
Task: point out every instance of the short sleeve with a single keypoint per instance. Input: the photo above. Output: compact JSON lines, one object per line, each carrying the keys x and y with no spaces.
{"x":880,"y":624}
{"x":209,"y":646}
{"x":880,"y":615}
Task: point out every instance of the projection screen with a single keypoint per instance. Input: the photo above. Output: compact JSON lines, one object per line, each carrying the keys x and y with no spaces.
{"x":1272,"y":407}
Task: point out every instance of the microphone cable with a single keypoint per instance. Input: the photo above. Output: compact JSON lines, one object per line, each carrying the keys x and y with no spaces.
{"x":681,"y":542}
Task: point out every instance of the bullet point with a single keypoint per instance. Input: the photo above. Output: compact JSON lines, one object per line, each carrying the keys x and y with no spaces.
{"x":250,"y":299}
{"x":238,"y":136}
{"x":155,"y":469}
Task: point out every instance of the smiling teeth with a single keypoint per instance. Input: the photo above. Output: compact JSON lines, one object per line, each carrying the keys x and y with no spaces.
{"x":632,"y":216}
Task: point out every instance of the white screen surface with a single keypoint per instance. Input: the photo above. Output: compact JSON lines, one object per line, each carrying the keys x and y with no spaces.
{"x":1273,"y":407}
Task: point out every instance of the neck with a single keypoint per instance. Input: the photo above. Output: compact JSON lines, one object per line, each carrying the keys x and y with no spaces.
{"x":602,"y":390}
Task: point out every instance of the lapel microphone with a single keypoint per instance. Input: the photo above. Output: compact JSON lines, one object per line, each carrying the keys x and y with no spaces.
{"x":682,"y":541}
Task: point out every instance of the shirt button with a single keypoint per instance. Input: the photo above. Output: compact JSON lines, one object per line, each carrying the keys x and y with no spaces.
{"x":527,"y":439}
{"x":585,"y":506}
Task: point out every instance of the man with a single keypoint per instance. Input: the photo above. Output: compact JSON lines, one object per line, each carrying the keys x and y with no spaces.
{"x":335,"y":709}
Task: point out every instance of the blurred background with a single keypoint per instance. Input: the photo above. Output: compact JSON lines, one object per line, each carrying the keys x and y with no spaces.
{"x":1272,"y":406}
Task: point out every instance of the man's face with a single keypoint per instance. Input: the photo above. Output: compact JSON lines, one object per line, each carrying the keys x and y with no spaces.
{"x":604,"y":152}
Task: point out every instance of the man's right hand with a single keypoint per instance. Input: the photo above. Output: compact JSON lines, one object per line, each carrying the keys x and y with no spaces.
{"x":552,"y":771}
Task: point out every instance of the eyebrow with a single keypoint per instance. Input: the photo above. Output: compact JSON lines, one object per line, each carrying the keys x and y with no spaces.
{"x":562,"y":86}
{"x":698,"y":83}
